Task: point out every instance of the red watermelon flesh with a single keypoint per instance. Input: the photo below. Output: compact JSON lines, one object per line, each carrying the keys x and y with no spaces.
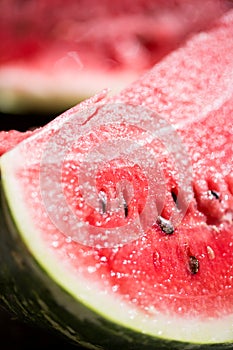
{"x":9,"y":139}
{"x":171,"y":274}
{"x":54,"y":53}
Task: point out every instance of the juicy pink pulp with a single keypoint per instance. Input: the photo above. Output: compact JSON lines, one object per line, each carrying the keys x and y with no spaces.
{"x":188,"y":271}
{"x":9,"y":139}
{"x":102,"y":34}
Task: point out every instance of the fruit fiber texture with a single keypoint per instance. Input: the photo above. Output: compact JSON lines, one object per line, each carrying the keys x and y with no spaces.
{"x":9,"y":139}
{"x":55,"y":53}
{"x":171,"y":287}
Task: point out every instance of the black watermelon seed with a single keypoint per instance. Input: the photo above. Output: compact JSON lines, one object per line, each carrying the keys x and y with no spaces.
{"x":103,"y":202}
{"x":165,"y":225}
{"x":174,"y":196}
{"x":214,"y":194}
{"x":193,"y":265}
{"x":126,"y":208}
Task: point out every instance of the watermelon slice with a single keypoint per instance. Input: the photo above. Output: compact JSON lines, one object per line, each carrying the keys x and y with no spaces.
{"x":116,"y":217}
{"x":55,"y":53}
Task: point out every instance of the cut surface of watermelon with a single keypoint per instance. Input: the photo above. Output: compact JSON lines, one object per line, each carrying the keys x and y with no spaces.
{"x":9,"y":139}
{"x":53,"y":54}
{"x":170,"y":286}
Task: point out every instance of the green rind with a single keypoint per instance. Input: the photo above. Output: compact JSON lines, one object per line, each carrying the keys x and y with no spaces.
{"x":29,"y":292}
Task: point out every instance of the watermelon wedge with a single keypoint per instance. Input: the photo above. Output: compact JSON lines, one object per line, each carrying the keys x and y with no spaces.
{"x":116,"y":217}
{"x":55,"y":53}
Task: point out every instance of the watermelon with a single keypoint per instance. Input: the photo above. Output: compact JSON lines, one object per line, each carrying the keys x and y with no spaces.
{"x":116,"y":217}
{"x":55,"y":53}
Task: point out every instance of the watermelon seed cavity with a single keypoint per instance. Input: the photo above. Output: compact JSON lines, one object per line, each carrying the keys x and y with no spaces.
{"x":178,"y":199}
{"x":193,"y":264}
{"x":174,"y":197}
{"x":126,"y":208}
{"x":165,"y":225}
{"x":214,"y":194}
{"x":103,"y":202}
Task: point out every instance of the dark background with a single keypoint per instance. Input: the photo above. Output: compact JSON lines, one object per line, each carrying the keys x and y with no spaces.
{"x":23,"y":122}
{"x":16,"y":335}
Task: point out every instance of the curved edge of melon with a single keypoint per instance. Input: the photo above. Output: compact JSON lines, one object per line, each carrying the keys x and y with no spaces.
{"x":23,"y":254}
{"x":24,"y":89}
{"x":31,"y":294}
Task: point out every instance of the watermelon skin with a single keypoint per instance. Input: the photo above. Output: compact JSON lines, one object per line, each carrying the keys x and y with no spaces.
{"x":53,"y":67}
{"x":117,"y":334}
